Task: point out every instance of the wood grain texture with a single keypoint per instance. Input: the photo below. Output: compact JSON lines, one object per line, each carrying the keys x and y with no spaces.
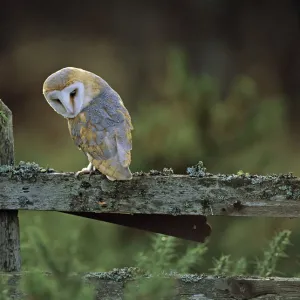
{"x":111,"y":285}
{"x":26,"y":187}
{"x":6,"y":136}
{"x":9,"y":223}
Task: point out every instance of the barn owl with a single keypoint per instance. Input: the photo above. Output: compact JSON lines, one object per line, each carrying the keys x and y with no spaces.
{"x":98,"y":121}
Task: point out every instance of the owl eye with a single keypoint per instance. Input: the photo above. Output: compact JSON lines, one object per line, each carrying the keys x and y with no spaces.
{"x":73,"y":94}
{"x":57,"y":101}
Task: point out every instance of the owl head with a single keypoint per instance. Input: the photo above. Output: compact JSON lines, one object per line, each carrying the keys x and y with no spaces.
{"x":70,"y":89}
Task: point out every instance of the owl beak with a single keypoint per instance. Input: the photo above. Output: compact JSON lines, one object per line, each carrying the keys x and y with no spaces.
{"x":68,"y":105}
{"x":70,"y":110}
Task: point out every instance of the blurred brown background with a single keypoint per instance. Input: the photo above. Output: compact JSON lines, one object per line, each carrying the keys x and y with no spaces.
{"x":209,"y":80}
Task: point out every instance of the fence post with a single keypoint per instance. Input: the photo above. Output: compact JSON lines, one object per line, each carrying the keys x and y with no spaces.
{"x":10,"y":259}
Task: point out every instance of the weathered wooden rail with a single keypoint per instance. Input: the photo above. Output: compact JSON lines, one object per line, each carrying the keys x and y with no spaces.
{"x":157,"y":201}
{"x":26,"y":187}
{"x":111,"y":285}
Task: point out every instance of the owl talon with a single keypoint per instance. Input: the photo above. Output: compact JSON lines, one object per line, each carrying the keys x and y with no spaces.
{"x":92,"y":172}
{"x":82,"y":172}
{"x":88,"y":170}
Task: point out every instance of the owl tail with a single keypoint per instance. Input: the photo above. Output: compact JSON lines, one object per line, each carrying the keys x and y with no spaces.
{"x":112,"y":169}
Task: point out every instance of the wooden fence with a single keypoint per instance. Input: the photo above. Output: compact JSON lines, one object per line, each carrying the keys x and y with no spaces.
{"x":159,"y":202}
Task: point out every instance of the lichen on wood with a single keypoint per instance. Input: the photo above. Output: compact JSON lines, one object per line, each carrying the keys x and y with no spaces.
{"x":112,"y":285}
{"x":30,"y":187}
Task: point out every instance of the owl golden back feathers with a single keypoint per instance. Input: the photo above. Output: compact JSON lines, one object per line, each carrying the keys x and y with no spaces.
{"x":103,"y":131}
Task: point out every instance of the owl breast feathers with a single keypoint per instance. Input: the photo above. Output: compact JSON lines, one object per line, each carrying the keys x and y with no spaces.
{"x":102,"y":130}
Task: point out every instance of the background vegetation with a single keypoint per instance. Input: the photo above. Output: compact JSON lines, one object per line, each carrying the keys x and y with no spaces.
{"x":203,"y":80}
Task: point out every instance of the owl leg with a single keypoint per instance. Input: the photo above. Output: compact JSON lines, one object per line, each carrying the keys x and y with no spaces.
{"x":88,"y":170}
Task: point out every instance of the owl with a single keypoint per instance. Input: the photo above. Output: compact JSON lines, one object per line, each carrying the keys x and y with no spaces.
{"x":98,"y":121}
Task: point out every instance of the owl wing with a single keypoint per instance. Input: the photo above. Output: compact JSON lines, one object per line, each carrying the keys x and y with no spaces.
{"x":103,"y":131}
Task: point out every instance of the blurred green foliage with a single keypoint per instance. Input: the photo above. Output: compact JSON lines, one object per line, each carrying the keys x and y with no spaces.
{"x":63,"y":284}
{"x":4,"y":289}
{"x":191,"y":120}
{"x":160,"y":261}
{"x":183,"y":118}
{"x":276,"y":250}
